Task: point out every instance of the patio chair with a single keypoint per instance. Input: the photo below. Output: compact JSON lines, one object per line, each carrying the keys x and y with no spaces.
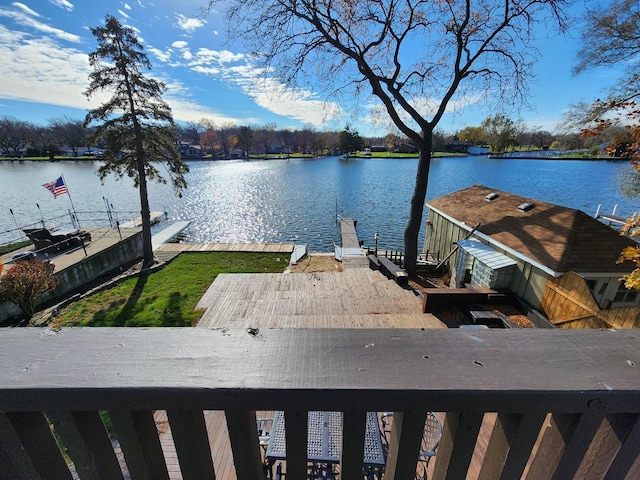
{"x":430,"y":440}
{"x":321,"y":471}
{"x":45,"y":241}
{"x":264,"y":427}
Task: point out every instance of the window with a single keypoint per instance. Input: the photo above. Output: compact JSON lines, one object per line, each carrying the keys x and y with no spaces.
{"x":624,"y":295}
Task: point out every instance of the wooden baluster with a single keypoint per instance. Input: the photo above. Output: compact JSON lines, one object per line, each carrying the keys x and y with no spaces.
{"x":354,"y":424}
{"x":459,"y":437}
{"x":243,"y":434}
{"x":192,"y":444}
{"x":140,"y":443}
{"x":32,"y":428}
{"x":296,"y":424}
{"x":404,"y":445}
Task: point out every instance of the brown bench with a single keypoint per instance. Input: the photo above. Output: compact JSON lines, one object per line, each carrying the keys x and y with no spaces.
{"x":393,"y":271}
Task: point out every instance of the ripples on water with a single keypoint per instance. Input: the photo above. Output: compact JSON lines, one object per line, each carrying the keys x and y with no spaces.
{"x":295,"y":200}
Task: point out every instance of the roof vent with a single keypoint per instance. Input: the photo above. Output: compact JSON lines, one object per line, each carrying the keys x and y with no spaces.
{"x":525,"y":207}
{"x":492,"y":196}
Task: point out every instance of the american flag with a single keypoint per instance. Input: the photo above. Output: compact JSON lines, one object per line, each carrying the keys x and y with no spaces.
{"x":57,"y":187}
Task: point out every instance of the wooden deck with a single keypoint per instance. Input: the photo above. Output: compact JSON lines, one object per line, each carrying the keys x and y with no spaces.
{"x":168,"y":234}
{"x":358,"y":298}
{"x":227,"y":247}
{"x":168,"y":251}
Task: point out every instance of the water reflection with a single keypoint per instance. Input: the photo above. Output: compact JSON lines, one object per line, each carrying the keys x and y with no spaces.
{"x":295,"y":200}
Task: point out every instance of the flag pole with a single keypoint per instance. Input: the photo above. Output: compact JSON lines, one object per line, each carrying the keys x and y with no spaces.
{"x":75,"y":214}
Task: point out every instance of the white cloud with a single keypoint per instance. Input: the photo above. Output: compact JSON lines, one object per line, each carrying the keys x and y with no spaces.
{"x":42,"y":71}
{"x":125,"y":15}
{"x":189,"y":25}
{"x":206,"y":55}
{"x":26,"y":9}
{"x":137,"y":30}
{"x":179,"y":44}
{"x":25,"y":20}
{"x":160,"y":55}
{"x":62,"y":4}
{"x":212,"y":71}
{"x":266,"y":92}
{"x":186,"y":110}
{"x":275,"y":96}
{"x":126,"y":6}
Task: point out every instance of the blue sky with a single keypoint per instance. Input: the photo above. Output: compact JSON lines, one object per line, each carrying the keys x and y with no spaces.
{"x":44,"y":46}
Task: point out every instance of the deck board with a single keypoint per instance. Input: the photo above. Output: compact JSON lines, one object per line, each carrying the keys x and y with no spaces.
{"x":357,"y":298}
{"x":351,"y":299}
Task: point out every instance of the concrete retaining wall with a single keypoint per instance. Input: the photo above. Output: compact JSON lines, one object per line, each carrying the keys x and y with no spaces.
{"x":87,"y":270}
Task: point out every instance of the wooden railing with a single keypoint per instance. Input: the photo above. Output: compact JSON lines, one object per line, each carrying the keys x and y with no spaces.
{"x":564,"y":404}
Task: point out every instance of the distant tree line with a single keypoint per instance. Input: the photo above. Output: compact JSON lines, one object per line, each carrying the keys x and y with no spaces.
{"x":68,"y":136}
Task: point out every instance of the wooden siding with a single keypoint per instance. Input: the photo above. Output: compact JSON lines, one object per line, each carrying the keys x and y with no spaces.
{"x":568,"y":303}
{"x":528,"y":281}
{"x":440,"y":237}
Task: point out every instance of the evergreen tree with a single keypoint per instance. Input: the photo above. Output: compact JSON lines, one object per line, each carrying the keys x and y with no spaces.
{"x":136,"y":124}
{"x":350,"y":140}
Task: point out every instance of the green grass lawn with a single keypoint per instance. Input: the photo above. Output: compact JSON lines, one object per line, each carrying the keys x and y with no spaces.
{"x":13,"y":246}
{"x":166,"y":297}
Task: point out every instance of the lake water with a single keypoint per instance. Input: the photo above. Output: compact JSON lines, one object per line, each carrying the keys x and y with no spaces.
{"x":295,"y":200}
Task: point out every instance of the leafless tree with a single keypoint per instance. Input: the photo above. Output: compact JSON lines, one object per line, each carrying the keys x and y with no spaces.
{"x":70,"y":132}
{"x":415,"y":56}
{"x":15,"y":136}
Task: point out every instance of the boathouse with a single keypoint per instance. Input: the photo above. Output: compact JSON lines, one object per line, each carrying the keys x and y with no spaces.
{"x":559,"y":260}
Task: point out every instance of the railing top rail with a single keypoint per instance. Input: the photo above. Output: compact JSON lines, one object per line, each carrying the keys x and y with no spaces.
{"x":444,"y":370}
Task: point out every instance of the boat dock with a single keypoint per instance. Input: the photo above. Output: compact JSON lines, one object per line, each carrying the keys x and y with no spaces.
{"x":169,"y":233}
{"x":612,"y":218}
{"x":350,"y":253}
{"x":156,"y":217}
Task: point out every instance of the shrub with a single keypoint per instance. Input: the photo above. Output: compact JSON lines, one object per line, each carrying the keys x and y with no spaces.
{"x":24,"y":282}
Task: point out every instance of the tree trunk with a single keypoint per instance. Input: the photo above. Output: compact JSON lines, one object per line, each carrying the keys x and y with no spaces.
{"x":417,"y":205}
{"x":145,"y":214}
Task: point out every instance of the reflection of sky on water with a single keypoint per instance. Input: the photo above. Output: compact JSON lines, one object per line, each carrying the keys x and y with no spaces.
{"x":295,"y":200}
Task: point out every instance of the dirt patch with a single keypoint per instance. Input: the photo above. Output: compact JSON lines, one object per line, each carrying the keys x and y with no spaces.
{"x":317,"y":263}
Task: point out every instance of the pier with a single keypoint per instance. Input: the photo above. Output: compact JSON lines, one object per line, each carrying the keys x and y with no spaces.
{"x":351,"y":253}
{"x":169,"y":233}
{"x":155,"y":217}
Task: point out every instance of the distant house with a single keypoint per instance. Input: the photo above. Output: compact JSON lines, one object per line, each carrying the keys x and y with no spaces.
{"x":379,"y":148}
{"x":81,"y":151}
{"x":189,"y":151}
{"x":278,"y":149}
{"x":456,"y":147}
{"x":559,"y":260}
{"x":406,"y":148}
{"x":236,"y":153}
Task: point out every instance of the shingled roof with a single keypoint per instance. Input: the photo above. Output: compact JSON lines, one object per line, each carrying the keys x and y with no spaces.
{"x":562,"y":239}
